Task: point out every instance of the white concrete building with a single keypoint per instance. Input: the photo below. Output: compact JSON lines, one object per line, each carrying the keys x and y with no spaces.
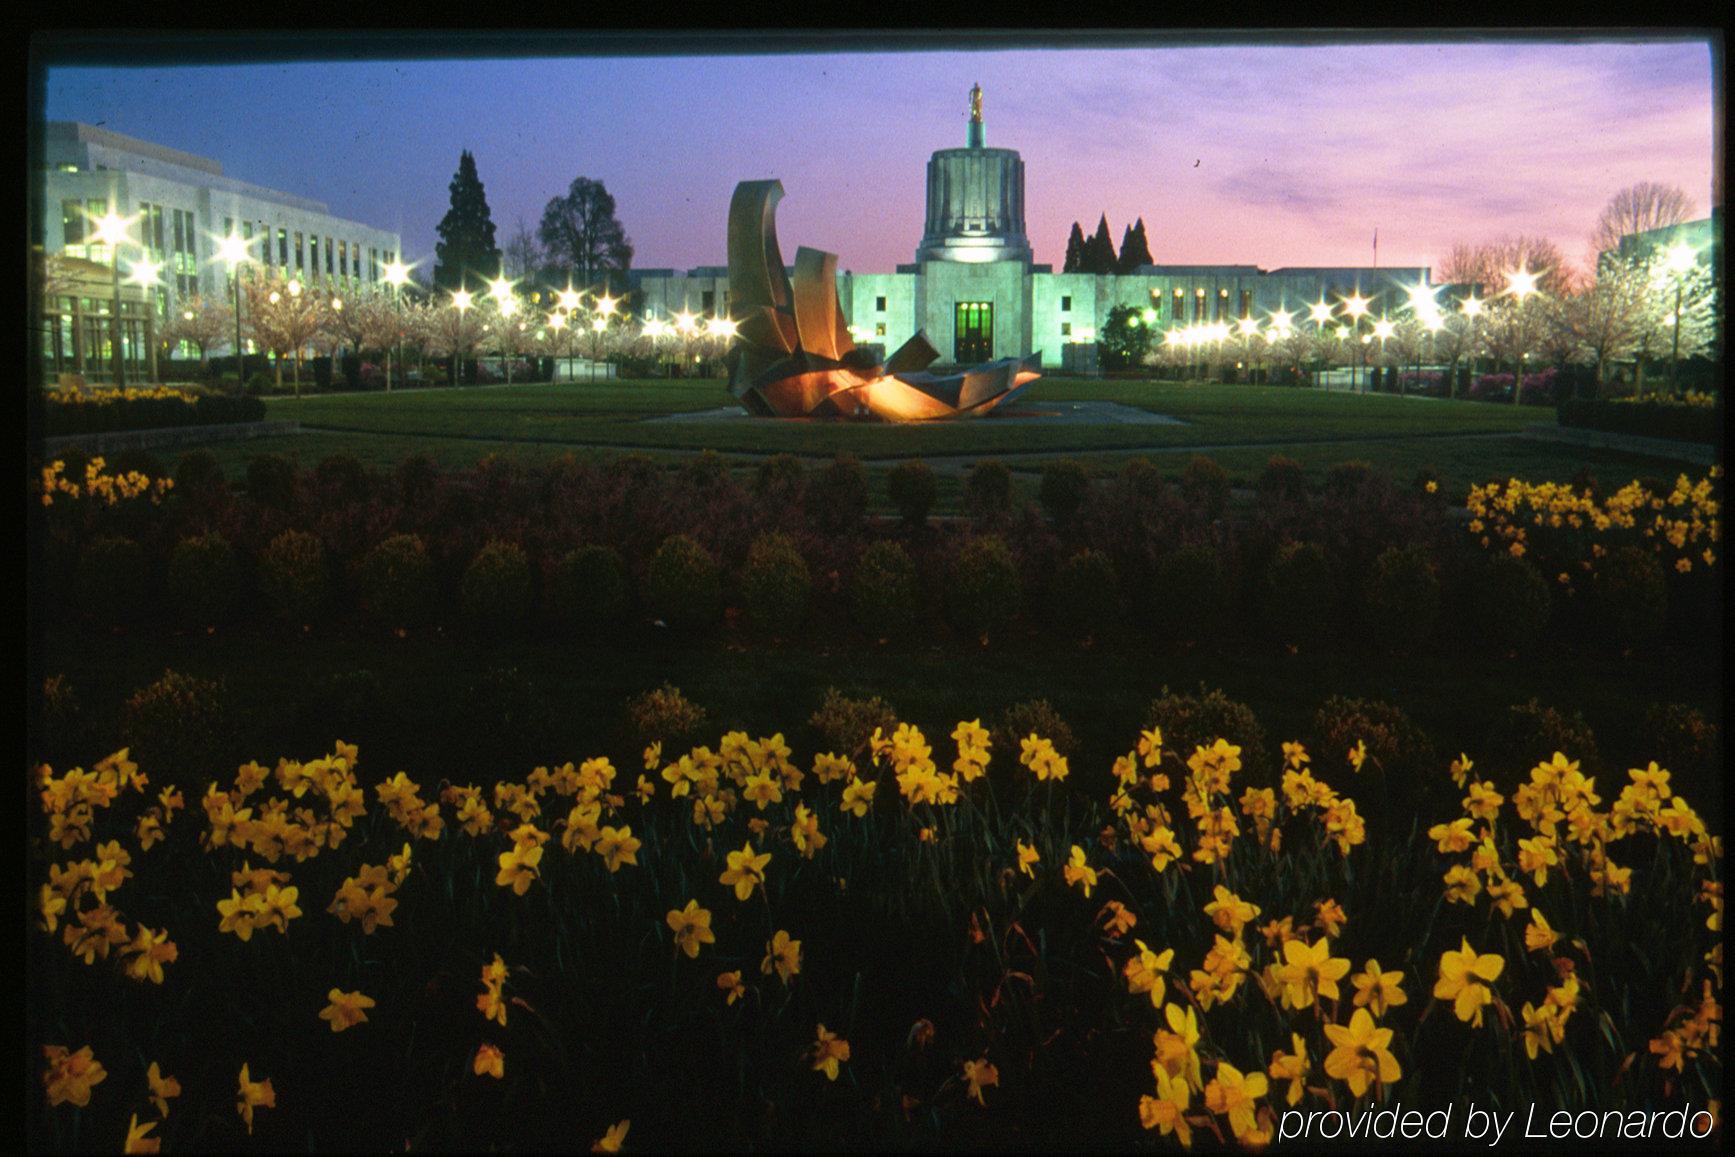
{"x":180,"y":204}
{"x":977,"y":294}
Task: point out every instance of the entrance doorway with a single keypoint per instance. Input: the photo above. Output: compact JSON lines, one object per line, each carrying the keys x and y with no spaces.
{"x":973,"y":335}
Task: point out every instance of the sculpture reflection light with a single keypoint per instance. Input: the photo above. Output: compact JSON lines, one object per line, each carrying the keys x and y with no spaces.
{"x":794,"y":357}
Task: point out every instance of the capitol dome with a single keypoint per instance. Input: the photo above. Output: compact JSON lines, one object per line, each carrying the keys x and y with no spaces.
{"x":975,"y":201}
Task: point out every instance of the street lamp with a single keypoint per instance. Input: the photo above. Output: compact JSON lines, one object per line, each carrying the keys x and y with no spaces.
{"x":1680,"y":260}
{"x":1520,"y":283}
{"x":396,"y":274}
{"x":1383,"y":329}
{"x":144,"y":275}
{"x":1471,"y":309}
{"x":232,"y":251}
{"x":1320,"y":314}
{"x":1356,"y":305}
{"x":111,"y":230}
{"x":462,"y":299}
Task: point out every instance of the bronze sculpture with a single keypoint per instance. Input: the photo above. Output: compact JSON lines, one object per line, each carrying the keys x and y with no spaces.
{"x":793,"y":356}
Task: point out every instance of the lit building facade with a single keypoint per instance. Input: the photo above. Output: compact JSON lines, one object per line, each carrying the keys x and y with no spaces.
{"x":179,"y":205}
{"x":976,"y":292}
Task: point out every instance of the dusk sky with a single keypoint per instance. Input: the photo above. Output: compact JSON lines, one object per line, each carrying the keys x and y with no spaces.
{"x":1258,"y":155}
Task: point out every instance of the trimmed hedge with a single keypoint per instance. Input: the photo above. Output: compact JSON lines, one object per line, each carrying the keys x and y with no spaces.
{"x":149,"y":414}
{"x":1646,"y":419}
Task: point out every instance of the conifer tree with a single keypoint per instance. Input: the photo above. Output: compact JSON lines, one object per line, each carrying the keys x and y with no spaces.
{"x":1074,"y":251}
{"x":1135,"y":250}
{"x":1099,"y":254}
{"x":466,"y":248}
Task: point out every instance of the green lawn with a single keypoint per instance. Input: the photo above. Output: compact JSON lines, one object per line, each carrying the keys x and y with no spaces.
{"x":612,"y":414}
{"x":1239,"y":426}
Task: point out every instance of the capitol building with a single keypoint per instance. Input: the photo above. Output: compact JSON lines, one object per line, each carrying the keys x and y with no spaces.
{"x":976,"y":291}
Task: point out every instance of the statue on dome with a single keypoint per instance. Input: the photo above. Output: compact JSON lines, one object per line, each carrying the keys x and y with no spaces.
{"x":976,"y":103}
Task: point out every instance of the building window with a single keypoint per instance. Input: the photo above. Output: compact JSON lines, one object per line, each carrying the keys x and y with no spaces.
{"x":328,"y":257}
{"x":71,"y":223}
{"x":880,"y":304}
{"x":283,"y":248}
{"x":1222,"y":304}
{"x":707,"y":300}
{"x":1198,"y":305}
{"x":1066,"y":329}
{"x":300,"y":252}
{"x":879,"y":329}
{"x":1066,"y":306}
{"x":973,"y":332}
{"x":1157,"y":303}
{"x":343,"y":258}
{"x":1246,"y":304}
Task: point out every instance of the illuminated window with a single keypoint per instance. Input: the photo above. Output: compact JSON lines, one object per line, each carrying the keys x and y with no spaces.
{"x":300,"y":253}
{"x":283,"y":248}
{"x":1199,"y":305}
{"x":879,"y":329}
{"x":1066,"y":329}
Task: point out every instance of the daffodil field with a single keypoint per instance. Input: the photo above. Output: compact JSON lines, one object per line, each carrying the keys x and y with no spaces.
{"x":925,"y":941}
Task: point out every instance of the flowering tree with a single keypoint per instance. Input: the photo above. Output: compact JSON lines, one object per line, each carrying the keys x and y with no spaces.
{"x":1638,"y":209}
{"x":506,"y":328}
{"x":203,"y":321}
{"x":285,"y":318}
{"x":450,"y":332}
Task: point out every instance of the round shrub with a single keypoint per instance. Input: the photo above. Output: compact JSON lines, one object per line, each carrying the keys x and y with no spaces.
{"x":110,"y":580}
{"x":1402,"y":602}
{"x":396,"y":583}
{"x":1189,"y":594}
{"x":203,"y":580}
{"x":1631,"y":595}
{"x":135,"y":459}
{"x":982,"y":587}
{"x":836,"y":497}
{"x":1283,"y":480}
{"x":1065,"y":487}
{"x":665,"y":716}
{"x":342,"y":478}
{"x":1205,"y":486}
{"x":272,"y":481}
{"x":1087,"y":598}
{"x":198,"y":472}
{"x":416,"y":476}
{"x":1512,"y":603}
{"x":1347,"y":479}
{"x":682,"y":586}
{"x":1009,"y":728}
{"x":1298,"y":594}
{"x":780,"y":479}
{"x":496,"y":588}
{"x":1189,"y":721}
{"x":508,"y":717}
{"x":294,"y":578}
{"x":988,"y":490}
{"x":882,"y":591}
{"x":176,"y":727}
{"x":1141,"y":478}
{"x":846,"y":724}
{"x":775,"y":584}
{"x":1529,"y":734}
{"x":1679,"y":737}
{"x":588,"y":590}
{"x":1396,"y":744}
{"x":704,"y":471}
{"x":913,"y":489}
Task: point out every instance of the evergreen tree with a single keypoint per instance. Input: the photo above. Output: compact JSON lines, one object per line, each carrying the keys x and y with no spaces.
{"x":1099,"y":255}
{"x":466,"y":248}
{"x":1074,"y":250}
{"x":1135,"y":250}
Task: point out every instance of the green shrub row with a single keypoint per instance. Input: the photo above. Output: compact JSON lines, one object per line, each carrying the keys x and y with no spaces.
{"x":1647,"y":419}
{"x":149,"y":414}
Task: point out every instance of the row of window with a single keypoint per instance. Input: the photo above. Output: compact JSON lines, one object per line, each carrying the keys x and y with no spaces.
{"x":177,"y":245}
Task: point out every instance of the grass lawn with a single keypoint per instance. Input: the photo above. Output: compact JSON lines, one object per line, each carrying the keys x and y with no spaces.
{"x":1239,"y":426}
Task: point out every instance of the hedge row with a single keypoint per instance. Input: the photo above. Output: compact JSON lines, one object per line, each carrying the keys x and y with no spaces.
{"x":1295,"y":597}
{"x":1647,"y":419}
{"x":149,"y":414}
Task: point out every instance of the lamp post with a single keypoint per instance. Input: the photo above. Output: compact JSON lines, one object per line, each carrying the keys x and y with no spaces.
{"x":1356,"y":305}
{"x":567,"y":303}
{"x":462,"y":299}
{"x":396,"y":274}
{"x":111,"y":230}
{"x":144,"y":275}
{"x":232,"y":251}
{"x":1383,"y":329}
{"x":1520,"y":283}
{"x":605,"y":309}
{"x":1472,"y":309}
{"x":1680,"y":260}
{"x":1320,"y":314}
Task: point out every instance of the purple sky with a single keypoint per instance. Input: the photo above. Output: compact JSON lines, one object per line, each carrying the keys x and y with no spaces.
{"x":1264,"y":155}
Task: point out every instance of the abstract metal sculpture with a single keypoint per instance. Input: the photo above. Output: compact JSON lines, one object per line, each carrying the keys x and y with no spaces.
{"x":794,"y":358}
